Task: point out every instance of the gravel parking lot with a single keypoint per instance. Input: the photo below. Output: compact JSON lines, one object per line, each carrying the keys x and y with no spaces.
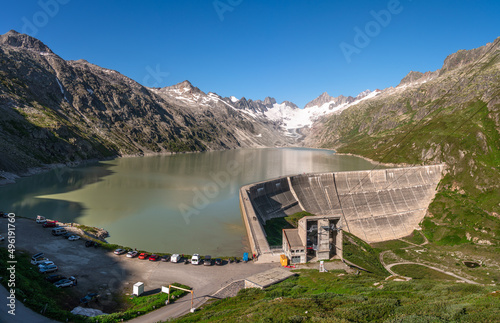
{"x":99,"y":270}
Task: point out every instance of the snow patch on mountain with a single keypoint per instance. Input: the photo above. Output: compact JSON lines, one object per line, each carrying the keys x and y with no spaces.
{"x":294,"y":118}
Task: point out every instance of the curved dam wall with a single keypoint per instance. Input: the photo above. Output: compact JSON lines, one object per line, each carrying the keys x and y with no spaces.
{"x":375,"y":205}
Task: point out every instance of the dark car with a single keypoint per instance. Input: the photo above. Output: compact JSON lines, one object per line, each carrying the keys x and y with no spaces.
{"x":88,"y":298}
{"x":218,"y":262}
{"x":165,"y":258}
{"x":54,"y":278}
{"x":154,"y":257}
{"x":67,"y":235}
{"x":207,"y":261}
{"x":90,"y":243}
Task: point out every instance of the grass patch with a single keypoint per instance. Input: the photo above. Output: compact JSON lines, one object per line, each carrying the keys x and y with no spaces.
{"x":86,"y":228}
{"x":390,"y":245}
{"x":362,"y":254}
{"x":416,"y":237}
{"x":294,"y":218}
{"x":274,"y":227}
{"x":421,"y":272}
{"x":274,"y":230}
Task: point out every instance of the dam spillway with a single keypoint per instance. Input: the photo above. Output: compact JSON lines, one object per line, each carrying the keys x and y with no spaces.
{"x":375,"y":205}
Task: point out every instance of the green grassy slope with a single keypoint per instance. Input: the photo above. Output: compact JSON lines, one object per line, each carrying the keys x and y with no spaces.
{"x":332,"y":297}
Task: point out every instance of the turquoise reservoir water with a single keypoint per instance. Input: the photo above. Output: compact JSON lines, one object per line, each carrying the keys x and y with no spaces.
{"x":183,"y":203}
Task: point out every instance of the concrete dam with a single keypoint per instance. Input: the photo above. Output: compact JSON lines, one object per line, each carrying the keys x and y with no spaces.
{"x":374,"y":205}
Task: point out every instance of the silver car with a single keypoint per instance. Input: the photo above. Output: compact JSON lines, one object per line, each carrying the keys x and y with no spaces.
{"x":64,"y":283}
{"x":48,"y":269}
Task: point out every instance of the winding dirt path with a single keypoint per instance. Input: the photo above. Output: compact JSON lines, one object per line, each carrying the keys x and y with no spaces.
{"x":388,"y":267}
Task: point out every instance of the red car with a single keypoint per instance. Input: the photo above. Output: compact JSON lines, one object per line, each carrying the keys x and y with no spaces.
{"x":143,"y":255}
{"x":50,"y":224}
{"x":154,"y":257}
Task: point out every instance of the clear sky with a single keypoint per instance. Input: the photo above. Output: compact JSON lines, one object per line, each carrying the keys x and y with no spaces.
{"x":288,"y":49}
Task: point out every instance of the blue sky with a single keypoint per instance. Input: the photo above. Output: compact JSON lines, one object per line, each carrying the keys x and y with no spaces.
{"x":290,"y":50}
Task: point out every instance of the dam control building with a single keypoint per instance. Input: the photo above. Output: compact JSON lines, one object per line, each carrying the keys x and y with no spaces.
{"x":374,"y":205}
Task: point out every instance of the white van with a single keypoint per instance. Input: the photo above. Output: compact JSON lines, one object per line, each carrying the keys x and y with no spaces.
{"x":38,"y":258}
{"x":58,"y":231}
{"x":175,"y":258}
{"x":195,"y":260}
{"x":40,"y":219}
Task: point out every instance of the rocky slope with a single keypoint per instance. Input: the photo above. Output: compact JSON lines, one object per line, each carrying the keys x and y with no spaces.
{"x":57,"y":111}
{"x":449,"y":116}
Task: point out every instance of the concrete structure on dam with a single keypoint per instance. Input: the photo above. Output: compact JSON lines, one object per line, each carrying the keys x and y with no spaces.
{"x":375,"y":205}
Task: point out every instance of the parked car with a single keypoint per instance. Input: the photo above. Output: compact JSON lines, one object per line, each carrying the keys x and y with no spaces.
{"x":132,"y":254}
{"x":38,"y":260}
{"x":2,"y":238}
{"x":218,"y":262}
{"x":40,"y":219}
{"x":119,"y":251}
{"x":165,"y":258}
{"x":89,"y":297}
{"x":175,"y":257}
{"x":45,"y":263}
{"x":54,"y":278}
{"x":154,"y":257}
{"x":207,"y":261}
{"x":49,"y":224}
{"x":36,"y":257}
{"x":74,"y":237}
{"x":195,"y":260}
{"x":90,"y":243}
{"x":64,"y":283}
{"x":143,"y":255}
{"x":48,"y":269}
{"x":58,"y":231}
{"x":67,"y":235}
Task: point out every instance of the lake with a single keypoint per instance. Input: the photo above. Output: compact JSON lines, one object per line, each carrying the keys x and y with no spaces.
{"x":182,"y":203}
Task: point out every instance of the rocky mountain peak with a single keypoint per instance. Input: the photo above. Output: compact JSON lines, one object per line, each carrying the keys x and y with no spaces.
{"x":15,"y":39}
{"x":269,"y":101}
{"x":464,"y":57}
{"x":364,"y":94}
{"x":184,"y":87}
{"x":411,"y":77}
{"x":290,"y":104}
{"x":320,"y":100}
